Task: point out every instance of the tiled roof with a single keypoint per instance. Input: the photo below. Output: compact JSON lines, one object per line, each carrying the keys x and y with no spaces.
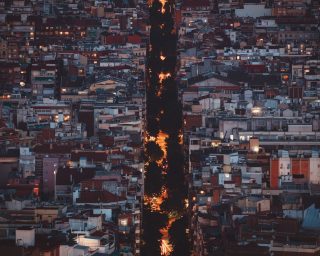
{"x":65,"y":176}
{"x":95,"y":156}
{"x":195,"y":3}
{"x":54,"y":149}
{"x":98,"y":196}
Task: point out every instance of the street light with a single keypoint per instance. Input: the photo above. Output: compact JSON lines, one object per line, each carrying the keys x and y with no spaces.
{"x":55,"y":181}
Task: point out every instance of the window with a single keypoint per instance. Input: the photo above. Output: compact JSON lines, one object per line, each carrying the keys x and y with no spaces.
{"x":194,"y":142}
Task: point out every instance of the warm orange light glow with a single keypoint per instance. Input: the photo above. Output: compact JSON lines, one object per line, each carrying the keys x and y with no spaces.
{"x":161,"y":141}
{"x":156,"y":201}
{"x":152,"y":138}
{"x":163,"y":2}
{"x":165,"y":247}
{"x":186,"y":203}
{"x":163,"y":76}
{"x":36,"y":191}
{"x":155,"y":205}
{"x":180,"y":138}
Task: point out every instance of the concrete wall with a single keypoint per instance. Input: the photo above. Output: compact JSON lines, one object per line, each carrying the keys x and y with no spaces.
{"x":315,"y":170}
{"x":48,"y":173}
{"x":228,"y":125}
{"x":106,"y":212}
{"x":263,"y":205}
{"x":300,"y":128}
{"x":91,"y":242}
{"x":284,"y":162}
{"x":25,"y":237}
{"x":253,"y":10}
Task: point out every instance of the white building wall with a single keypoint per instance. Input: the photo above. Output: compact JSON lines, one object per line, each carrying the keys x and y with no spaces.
{"x":224,"y":177}
{"x":263,"y":205}
{"x":25,"y":237}
{"x":315,"y":170}
{"x":65,"y":250}
{"x":300,"y":128}
{"x":95,"y":222}
{"x":89,"y":241}
{"x":296,"y":214}
{"x":107,"y":213}
{"x":253,"y":10}
{"x":15,"y":205}
{"x":206,"y":104}
{"x":226,"y":126}
{"x":284,"y":166}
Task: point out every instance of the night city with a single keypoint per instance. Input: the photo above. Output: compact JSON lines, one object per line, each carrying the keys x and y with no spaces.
{"x":159,"y":127}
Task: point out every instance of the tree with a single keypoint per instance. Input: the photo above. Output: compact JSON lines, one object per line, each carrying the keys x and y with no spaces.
{"x":178,"y":237}
{"x":153,"y":179}
{"x":175,"y":174}
{"x":174,"y":201}
{"x":152,"y":223}
{"x":153,"y":151}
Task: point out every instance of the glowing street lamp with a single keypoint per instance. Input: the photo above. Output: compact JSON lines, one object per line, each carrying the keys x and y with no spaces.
{"x":55,"y":181}
{"x":256,"y":111}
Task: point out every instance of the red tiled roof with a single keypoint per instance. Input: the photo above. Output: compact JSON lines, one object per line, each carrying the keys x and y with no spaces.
{"x":72,"y":22}
{"x":3,"y":124}
{"x":195,"y":3}
{"x":95,"y":156}
{"x":53,"y":149}
{"x":98,"y":233}
{"x":8,"y":65}
{"x":65,"y":176}
{"x":98,"y":196}
{"x":94,"y":184}
{"x":296,"y":20}
{"x":126,"y":170}
{"x":191,"y":89}
{"x":114,"y":39}
{"x":134,"y":39}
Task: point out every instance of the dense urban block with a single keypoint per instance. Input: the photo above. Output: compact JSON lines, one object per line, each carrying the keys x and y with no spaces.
{"x":160,"y":127}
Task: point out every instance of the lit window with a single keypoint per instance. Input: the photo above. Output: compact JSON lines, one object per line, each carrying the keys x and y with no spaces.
{"x":124,"y":222}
